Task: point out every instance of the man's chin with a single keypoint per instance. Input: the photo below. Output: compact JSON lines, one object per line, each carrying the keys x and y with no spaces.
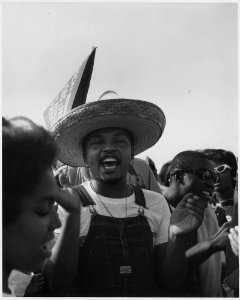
{"x":111,"y":180}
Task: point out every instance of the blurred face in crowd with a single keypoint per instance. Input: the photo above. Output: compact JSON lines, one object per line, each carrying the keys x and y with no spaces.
{"x":197,"y":180}
{"x":224,"y":177}
{"x":108,"y":154}
{"x":26,"y":240}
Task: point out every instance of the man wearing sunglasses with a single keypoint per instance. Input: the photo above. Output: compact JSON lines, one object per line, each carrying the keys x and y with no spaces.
{"x":192,"y":172}
{"x":225,"y":166}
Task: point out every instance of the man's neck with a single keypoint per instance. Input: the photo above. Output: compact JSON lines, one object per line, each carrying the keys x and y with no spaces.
{"x":119,"y":189}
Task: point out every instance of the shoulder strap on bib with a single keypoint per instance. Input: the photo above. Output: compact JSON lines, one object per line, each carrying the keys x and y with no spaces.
{"x":85,"y":198}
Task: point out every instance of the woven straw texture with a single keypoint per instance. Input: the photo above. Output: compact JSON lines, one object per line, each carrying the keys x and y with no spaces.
{"x":146,"y":122}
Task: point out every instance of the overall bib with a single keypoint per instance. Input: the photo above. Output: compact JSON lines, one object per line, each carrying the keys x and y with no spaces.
{"x":116,"y":257}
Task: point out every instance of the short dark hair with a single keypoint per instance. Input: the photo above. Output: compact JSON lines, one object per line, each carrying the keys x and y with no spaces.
{"x":27,"y":151}
{"x":184,"y":159}
{"x":224,"y":157}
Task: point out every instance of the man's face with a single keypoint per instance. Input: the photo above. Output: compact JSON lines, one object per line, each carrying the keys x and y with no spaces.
{"x":193,"y":183}
{"x":108,"y":154}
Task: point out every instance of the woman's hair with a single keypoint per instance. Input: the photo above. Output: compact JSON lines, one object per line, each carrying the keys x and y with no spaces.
{"x":27,"y":151}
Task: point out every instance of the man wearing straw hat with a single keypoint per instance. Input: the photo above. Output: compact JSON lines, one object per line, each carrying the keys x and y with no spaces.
{"x":127,"y":244}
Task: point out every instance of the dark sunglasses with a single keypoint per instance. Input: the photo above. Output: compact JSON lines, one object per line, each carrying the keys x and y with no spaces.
{"x":222,"y":168}
{"x":203,"y":174}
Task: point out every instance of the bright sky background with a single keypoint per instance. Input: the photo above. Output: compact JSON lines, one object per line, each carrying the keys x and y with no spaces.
{"x":180,"y":56}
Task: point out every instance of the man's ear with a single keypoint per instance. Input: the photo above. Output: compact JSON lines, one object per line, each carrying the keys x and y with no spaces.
{"x":85,"y":161}
{"x":131,"y":164}
{"x":85,"y":158}
{"x":132,"y":152}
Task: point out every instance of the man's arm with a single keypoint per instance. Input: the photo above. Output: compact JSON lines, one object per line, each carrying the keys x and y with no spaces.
{"x":171,"y":264}
{"x":170,"y":257}
{"x":61,"y":268}
{"x":202,"y":251}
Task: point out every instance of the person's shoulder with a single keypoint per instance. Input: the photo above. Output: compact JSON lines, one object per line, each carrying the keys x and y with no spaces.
{"x":137,"y":160}
{"x":154,"y":197}
{"x":139,"y":163}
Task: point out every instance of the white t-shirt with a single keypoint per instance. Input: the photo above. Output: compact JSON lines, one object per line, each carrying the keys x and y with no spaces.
{"x":17,"y":283}
{"x":157,"y":214}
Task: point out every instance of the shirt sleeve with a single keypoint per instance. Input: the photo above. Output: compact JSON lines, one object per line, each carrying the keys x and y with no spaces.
{"x":158,"y":215}
{"x":163,"y":226}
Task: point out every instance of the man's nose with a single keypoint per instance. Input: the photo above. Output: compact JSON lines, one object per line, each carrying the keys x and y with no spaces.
{"x":109,"y":149}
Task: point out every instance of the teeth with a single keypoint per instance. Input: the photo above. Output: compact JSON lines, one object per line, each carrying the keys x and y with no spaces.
{"x":109,"y":159}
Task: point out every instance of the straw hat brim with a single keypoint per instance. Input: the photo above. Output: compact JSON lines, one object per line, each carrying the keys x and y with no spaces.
{"x":144,"y":120}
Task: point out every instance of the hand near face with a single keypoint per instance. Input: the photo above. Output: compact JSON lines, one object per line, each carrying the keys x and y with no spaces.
{"x":188,"y":215}
{"x":233,"y":237}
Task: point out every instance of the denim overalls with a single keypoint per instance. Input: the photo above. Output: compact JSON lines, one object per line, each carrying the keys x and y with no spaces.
{"x":116,"y":258}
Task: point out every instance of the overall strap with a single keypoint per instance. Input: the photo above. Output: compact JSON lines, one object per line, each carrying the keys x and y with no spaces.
{"x":85,"y":198}
{"x":140,"y":199}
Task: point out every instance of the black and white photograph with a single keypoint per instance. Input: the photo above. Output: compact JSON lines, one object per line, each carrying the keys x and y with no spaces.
{"x":120,"y":149}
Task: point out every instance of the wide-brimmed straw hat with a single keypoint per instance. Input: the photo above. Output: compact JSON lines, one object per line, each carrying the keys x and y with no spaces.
{"x":144,"y":120}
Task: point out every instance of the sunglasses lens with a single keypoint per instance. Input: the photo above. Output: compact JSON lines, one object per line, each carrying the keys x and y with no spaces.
{"x":221,"y":169}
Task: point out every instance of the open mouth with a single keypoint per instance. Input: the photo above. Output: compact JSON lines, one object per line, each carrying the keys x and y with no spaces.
{"x":110,"y":163}
{"x":46,"y":247}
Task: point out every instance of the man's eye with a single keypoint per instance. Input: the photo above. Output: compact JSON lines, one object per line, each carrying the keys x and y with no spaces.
{"x":120,"y":141}
{"x":96,"y":142}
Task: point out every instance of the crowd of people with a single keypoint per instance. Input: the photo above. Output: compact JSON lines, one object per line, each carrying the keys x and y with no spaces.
{"x":82,"y":216}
